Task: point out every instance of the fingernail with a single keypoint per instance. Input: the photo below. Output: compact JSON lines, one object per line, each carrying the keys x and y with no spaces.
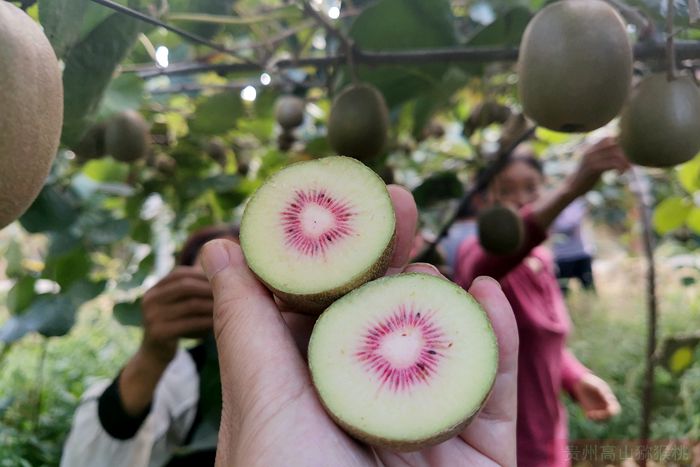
{"x":486,"y":279}
{"x":214,"y":257}
{"x":425,"y":268}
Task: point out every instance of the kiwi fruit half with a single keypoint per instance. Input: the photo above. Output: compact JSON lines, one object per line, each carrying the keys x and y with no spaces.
{"x":404,"y":362}
{"x":317,"y":229}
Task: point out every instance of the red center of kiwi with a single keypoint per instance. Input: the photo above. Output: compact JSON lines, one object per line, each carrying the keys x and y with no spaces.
{"x":314,"y":220}
{"x":403,"y":350}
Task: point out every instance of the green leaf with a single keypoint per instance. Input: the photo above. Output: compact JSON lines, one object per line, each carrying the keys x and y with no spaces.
{"x":52,"y":210}
{"x":413,"y":24}
{"x":108,"y":231}
{"x":21,"y":295}
{"x":106,"y":170}
{"x":89,"y":67}
{"x":61,"y":20}
{"x":125,"y":92}
{"x":670,"y":214}
{"x":13,"y":260}
{"x":506,"y":30}
{"x":212,"y":7}
{"x":693,"y":220}
{"x":84,"y":290}
{"x":689,"y":175}
{"x":438,"y":187}
{"x":217,"y":183}
{"x":50,"y":315}
{"x":205,"y":435}
{"x":128,"y":313}
{"x":68,"y":267}
{"x":217,"y":114}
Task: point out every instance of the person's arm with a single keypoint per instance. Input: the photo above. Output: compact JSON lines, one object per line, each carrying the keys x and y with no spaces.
{"x":593,"y":395}
{"x":572,"y":371}
{"x":473,"y":261}
{"x":179,"y":305}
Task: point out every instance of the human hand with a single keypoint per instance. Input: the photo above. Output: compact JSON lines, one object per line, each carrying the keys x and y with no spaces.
{"x":271,"y":413}
{"x":598,"y":158}
{"x":596,"y":398}
{"x":180,"y":305}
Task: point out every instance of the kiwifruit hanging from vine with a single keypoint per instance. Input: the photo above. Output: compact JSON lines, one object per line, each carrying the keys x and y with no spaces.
{"x":575,"y":65}
{"x":289,"y":111}
{"x":359,"y":122}
{"x":660,"y":125}
{"x":126,"y":136}
{"x":501,"y":230}
{"x":216,"y":149}
{"x":31,"y":110}
{"x":92,"y":144}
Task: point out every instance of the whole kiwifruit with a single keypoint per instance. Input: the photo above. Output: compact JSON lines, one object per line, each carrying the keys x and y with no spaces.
{"x":216,"y":149}
{"x":92,"y":144}
{"x":289,"y":111}
{"x":359,"y":122}
{"x":501,"y":230}
{"x":126,"y":136}
{"x":575,"y":65}
{"x":31,"y":110}
{"x":318,"y":229}
{"x":660,"y":125}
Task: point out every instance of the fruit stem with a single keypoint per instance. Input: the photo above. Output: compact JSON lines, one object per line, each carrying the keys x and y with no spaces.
{"x":348,"y":43}
{"x":670,"y":44}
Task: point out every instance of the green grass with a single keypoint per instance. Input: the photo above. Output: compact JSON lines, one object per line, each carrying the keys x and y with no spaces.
{"x":610,"y":338}
{"x":36,"y":412}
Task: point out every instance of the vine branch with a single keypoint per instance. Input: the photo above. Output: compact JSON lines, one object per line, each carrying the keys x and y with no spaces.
{"x":174,"y":29}
{"x":348,"y":43}
{"x":670,"y":41}
{"x":684,"y":50}
{"x":641,"y":191}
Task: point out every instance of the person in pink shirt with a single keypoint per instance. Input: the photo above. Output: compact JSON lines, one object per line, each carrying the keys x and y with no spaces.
{"x":545,"y":366}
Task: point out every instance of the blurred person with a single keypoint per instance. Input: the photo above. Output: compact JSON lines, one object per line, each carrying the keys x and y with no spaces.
{"x":465,"y":226}
{"x":152,"y":407}
{"x":572,"y":247}
{"x":529,"y":282}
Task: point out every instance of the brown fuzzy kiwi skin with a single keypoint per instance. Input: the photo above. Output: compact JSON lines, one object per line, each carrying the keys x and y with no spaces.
{"x":501,"y":231}
{"x":315,"y":303}
{"x":406,"y":446}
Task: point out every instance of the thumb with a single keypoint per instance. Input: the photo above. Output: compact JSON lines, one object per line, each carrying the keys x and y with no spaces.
{"x":257,"y":354}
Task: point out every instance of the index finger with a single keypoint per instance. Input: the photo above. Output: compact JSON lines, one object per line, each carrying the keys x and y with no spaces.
{"x":406,"y":222}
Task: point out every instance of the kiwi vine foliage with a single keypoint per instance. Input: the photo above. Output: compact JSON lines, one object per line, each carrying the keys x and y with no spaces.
{"x":102,"y":230}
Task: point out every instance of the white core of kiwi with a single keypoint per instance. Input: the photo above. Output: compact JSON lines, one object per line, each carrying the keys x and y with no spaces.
{"x":367,"y":235}
{"x":422,"y":412}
